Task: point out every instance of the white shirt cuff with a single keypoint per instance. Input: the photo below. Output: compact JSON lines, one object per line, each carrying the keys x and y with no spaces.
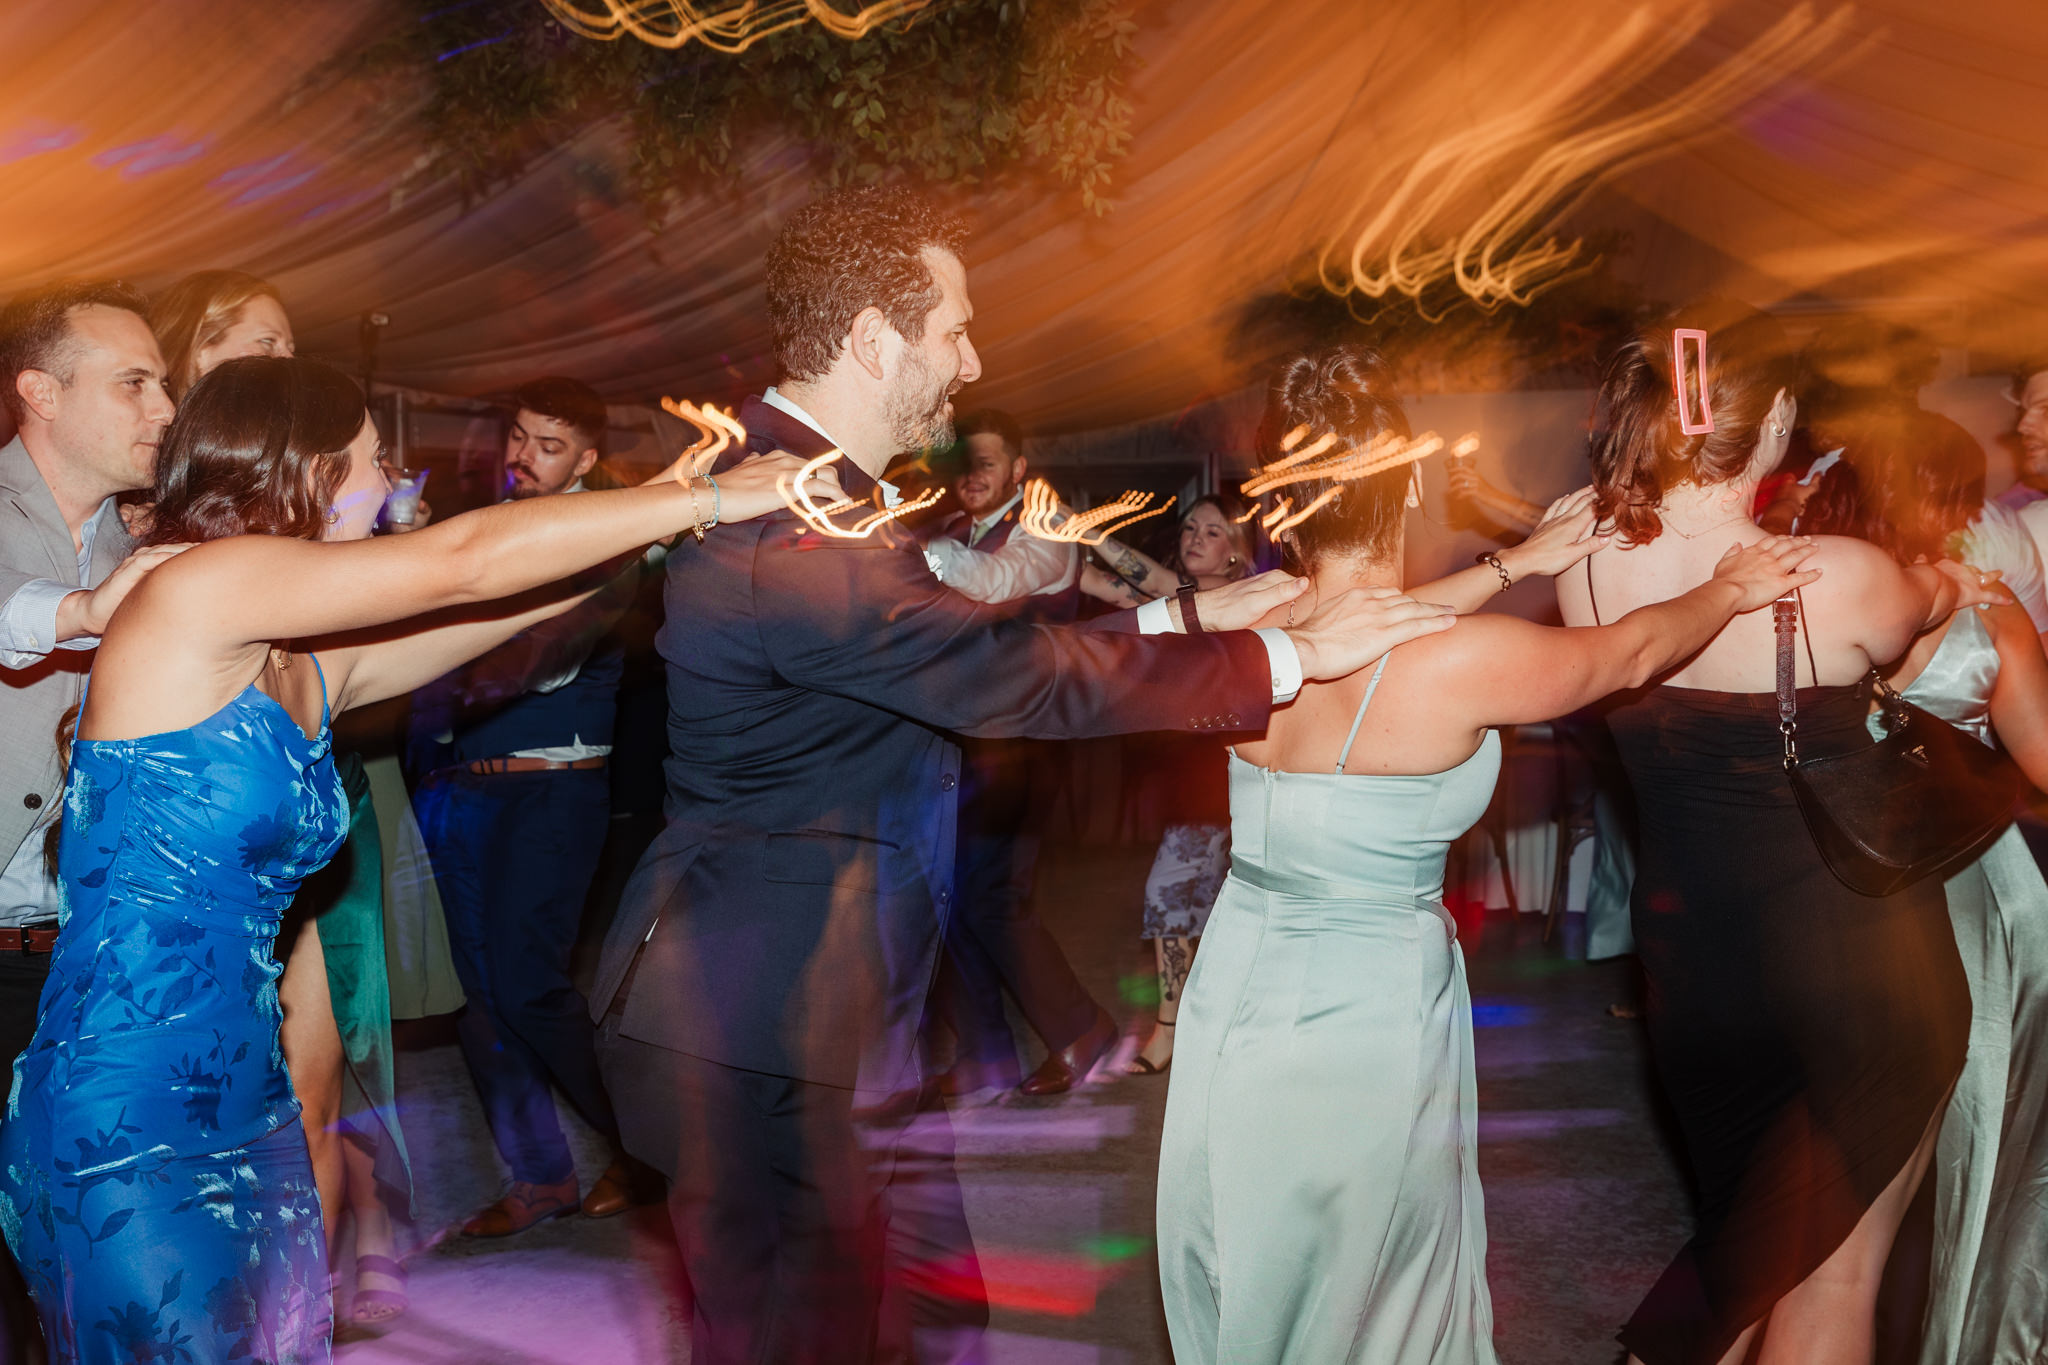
{"x":1281,"y":656}
{"x":28,"y":623}
{"x":1285,"y":661}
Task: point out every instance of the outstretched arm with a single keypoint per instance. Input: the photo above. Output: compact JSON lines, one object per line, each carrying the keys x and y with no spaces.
{"x":186,"y":640}
{"x":2019,"y":698}
{"x":1499,"y":670}
{"x":503,"y":651}
{"x":1563,"y":537}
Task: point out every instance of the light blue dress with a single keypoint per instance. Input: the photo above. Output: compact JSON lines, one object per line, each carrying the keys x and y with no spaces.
{"x":154,"y":1180}
{"x":1988,"y":1296}
{"x":1319,"y":1195}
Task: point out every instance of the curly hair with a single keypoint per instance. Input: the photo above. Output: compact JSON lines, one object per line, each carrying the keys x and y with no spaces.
{"x":1643,"y":453}
{"x":850,"y":250}
{"x":35,"y":329}
{"x":259,"y":446}
{"x":1348,"y":390}
{"x":196,"y":312}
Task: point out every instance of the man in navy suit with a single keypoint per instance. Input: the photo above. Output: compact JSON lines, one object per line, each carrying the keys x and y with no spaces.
{"x":762,"y":987}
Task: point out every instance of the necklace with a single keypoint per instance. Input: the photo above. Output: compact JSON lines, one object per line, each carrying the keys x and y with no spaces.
{"x":1695,"y":535}
{"x":280,"y":659}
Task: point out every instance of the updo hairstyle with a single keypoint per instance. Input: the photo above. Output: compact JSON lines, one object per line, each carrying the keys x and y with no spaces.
{"x":1347,"y":390}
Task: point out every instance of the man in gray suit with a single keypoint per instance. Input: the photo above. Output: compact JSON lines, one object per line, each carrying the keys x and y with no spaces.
{"x":83,"y":380}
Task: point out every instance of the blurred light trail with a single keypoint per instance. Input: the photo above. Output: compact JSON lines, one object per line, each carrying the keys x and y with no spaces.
{"x":721,"y":432}
{"x":735,"y":28}
{"x":1553,"y":152}
{"x":1042,"y":515}
{"x":799,"y":500}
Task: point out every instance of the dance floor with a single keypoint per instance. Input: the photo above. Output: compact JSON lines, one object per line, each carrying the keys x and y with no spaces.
{"x":1584,"y":1203}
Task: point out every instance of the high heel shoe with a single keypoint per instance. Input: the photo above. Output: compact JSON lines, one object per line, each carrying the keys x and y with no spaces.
{"x":1141,"y":1065}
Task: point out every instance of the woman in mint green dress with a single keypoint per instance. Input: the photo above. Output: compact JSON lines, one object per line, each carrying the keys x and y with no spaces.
{"x":1319,"y":1196}
{"x":1983,"y":672}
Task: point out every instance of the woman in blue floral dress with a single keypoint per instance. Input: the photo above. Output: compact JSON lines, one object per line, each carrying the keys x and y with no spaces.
{"x":154,"y":1178}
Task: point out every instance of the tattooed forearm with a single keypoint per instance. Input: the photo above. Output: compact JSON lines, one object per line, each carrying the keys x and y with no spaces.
{"x":1127,"y":564}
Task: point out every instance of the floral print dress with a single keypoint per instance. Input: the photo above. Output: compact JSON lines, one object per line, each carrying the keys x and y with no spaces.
{"x":154,"y":1180}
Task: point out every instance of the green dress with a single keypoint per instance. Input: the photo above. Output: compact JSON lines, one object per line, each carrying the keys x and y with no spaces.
{"x":1988,"y":1291}
{"x":346,"y":903}
{"x":1319,"y":1196}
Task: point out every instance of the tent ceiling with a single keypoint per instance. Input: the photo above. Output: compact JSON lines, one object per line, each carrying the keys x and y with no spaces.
{"x":146,"y":141}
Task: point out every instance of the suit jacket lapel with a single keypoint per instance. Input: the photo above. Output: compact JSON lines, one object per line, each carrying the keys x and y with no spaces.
{"x":23,"y":485}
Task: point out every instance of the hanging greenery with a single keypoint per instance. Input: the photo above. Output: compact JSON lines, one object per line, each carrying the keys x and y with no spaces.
{"x":965,"y":92}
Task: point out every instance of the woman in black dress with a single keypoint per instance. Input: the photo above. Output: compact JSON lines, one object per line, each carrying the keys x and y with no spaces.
{"x":1807,"y":1036}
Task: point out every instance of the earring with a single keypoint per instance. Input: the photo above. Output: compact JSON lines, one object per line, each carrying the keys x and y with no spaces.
{"x":1414,"y":498}
{"x":1233,"y":562}
{"x":1777,"y":430}
{"x":333,"y":516}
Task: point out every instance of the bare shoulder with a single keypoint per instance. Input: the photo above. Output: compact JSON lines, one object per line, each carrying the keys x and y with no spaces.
{"x":1484,"y":640}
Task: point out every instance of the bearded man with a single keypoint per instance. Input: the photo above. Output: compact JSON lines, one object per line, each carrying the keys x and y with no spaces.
{"x":763,"y":983}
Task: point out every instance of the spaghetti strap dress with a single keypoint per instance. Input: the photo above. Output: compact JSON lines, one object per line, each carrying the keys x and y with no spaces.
{"x":154,"y":1180}
{"x":1988,"y":1291}
{"x":1806,"y":1035}
{"x":1319,"y":1196}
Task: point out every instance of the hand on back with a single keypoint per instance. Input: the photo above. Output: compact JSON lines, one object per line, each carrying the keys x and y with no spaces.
{"x":1767,"y":570}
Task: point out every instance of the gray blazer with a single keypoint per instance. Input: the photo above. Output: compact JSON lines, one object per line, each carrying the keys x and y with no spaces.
{"x":35,"y":543}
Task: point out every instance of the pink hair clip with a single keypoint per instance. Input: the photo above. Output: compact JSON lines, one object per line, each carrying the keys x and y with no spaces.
{"x":1686,"y":423}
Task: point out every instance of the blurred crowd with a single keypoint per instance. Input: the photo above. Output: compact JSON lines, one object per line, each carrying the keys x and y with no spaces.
{"x":221,"y":896}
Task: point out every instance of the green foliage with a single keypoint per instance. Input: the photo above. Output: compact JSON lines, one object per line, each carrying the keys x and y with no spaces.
{"x":964,"y":93}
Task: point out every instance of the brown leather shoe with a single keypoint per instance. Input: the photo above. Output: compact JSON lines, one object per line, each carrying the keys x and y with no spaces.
{"x":1059,"y":1072}
{"x":624,"y":1184}
{"x":520,"y":1207}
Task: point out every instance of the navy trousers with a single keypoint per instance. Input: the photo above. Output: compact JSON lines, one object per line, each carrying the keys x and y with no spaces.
{"x":513,"y":855}
{"x":995,"y":939}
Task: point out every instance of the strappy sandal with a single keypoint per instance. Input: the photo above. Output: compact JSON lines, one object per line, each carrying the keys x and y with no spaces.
{"x":374,"y":1306}
{"x":1141,"y":1065}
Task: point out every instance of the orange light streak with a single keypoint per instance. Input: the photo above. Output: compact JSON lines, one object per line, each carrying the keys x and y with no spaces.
{"x":1042,"y":515}
{"x":732,"y":29}
{"x":1553,"y":151}
{"x":1383,"y":452}
{"x":721,"y":432}
{"x":798,"y":499}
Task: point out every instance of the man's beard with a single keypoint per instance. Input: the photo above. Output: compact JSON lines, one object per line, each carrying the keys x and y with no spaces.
{"x":918,"y":419}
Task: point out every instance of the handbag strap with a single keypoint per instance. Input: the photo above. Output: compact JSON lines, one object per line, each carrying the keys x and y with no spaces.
{"x":1785,"y":620}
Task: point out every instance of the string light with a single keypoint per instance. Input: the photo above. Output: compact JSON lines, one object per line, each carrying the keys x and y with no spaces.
{"x":732,"y":29}
{"x":1042,"y":515}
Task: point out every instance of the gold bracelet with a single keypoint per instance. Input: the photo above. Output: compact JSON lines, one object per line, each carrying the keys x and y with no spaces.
{"x":696,"y":518}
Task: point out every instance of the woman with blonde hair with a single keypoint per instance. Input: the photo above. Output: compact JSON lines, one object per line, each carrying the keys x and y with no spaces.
{"x":216,"y":315}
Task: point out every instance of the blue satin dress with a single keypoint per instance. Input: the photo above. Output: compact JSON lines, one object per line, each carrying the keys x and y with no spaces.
{"x":154,"y":1180}
{"x":1319,"y":1198}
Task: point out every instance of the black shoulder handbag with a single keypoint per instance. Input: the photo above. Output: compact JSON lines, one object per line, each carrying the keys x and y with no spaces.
{"x":1924,"y":799}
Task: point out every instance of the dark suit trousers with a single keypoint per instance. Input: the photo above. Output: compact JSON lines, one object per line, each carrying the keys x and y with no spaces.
{"x":995,"y":939}
{"x":513,"y":855}
{"x":811,"y":1234}
{"x":21,"y":989}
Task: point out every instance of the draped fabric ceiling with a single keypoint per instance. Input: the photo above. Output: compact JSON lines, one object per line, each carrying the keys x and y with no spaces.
{"x":147,"y":140}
